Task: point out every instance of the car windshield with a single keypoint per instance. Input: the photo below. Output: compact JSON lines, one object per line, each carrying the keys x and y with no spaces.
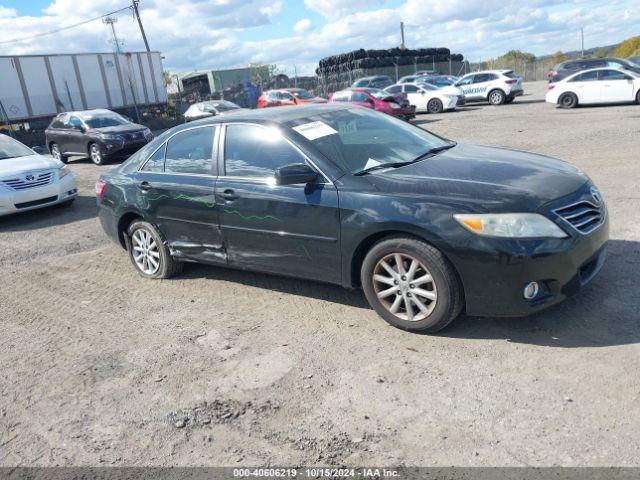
{"x":303,"y":94}
{"x":219,"y":106}
{"x":10,"y":148}
{"x":427,"y":86}
{"x":358,"y":139}
{"x":100,"y":120}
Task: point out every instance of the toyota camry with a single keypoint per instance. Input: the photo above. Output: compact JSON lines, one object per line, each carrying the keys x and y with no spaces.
{"x":427,"y":227}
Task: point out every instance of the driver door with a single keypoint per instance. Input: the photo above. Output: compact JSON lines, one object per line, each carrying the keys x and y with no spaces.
{"x":416,"y":96}
{"x":283,"y":229}
{"x":75,"y":137}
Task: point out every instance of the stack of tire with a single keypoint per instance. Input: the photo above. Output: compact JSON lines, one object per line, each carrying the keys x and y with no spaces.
{"x":339,"y":71}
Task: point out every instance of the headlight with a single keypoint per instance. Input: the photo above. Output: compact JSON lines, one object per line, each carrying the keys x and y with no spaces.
{"x":63,"y":171}
{"x":511,"y":225}
{"x":394,"y":105}
{"x":110,"y":136}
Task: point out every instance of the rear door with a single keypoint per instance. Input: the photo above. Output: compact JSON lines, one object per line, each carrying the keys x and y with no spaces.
{"x":284,"y":229}
{"x":176,"y":187}
{"x":616,"y":86}
{"x":587,"y":87}
{"x":416,"y":96}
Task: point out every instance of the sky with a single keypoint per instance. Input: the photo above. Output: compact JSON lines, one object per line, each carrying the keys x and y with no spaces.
{"x":295,"y":34}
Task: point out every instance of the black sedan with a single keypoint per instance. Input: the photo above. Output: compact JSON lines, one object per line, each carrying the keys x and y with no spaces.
{"x":342,"y":194}
{"x":99,"y":134}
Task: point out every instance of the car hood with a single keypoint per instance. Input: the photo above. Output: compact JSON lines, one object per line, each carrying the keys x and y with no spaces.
{"x":497,"y":179}
{"x":11,"y":166}
{"x":131,"y":127}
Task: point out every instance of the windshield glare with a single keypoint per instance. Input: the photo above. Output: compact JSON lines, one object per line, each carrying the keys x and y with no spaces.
{"x":365,"y":138}
{"x":10,"y":148}
{"x":100,"y":120}
{"x":302,"y":94}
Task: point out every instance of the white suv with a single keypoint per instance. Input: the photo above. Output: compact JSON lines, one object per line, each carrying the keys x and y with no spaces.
{"x":493,"y":86}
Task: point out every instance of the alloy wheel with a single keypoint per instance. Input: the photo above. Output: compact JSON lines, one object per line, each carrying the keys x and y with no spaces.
{"x":96,"y":154}
{"x":496,"y":98}
{"x":405,"y":287}
{"x":145,"y":252}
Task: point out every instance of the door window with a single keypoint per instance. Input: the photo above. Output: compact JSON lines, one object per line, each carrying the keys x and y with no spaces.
{"x":254,"y":151}
{"x":466,"y":80}
{"x":411,"y":89}
{"x":155,"y":163}
{"x":586,"y":77}
{"x":394,"y":89}
{"x":613,"y":75}
{"x":484,"y":77}
{"x":75,"y":122}
{"x":359,"y":97}
{"x":190,"y":152}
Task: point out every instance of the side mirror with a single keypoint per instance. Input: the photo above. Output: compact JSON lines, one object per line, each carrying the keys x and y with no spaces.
{"x":296,"y":173}
{"x":38,"y":149}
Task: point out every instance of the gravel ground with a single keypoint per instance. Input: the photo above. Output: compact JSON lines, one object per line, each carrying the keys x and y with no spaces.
{"x":221,"y":367}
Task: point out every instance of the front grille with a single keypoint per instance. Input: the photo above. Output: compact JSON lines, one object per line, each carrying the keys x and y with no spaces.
{"x":39,"y":180}
{"x":33,"y":203}
{"x":584,"y":216}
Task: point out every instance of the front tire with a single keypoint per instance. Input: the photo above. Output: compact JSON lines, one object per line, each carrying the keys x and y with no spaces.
{"x":496,"y":97}
{"x":638,"y":97}
{"x":411,"y":285}
{"x":56,"y":153}
{"x":148,"y":253}
{"x":568,"y":100}
{"x":435,"y":106}
{"x":96,"y":155}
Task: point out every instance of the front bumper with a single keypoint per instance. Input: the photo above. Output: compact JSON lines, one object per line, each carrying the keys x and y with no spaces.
{"x":122,"y":148}
{"x":30,"y":199}
{"x":495,"y":271}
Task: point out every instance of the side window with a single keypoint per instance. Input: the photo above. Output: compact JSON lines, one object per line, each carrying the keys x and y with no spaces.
{"x":586,"y":77}
{"x":58,"y":122}
{"x":156,"y":161}
{"x":253,"y":151}
{"x":190,"y":152}
{"x":394,"y":89}
{"x":410,"y":89}
{"x":75,"y":122}
{"x":466,"y":80}
{"x":358,"y":97}
{"x":484,"y":77}
{"x":613,"y":75}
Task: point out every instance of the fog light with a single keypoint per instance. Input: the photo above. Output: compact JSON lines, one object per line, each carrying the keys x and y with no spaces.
{"x":531,"y":290}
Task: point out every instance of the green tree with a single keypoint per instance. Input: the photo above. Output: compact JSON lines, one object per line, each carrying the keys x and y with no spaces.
{"x":514,"y":59}
{"x":558,"y":57}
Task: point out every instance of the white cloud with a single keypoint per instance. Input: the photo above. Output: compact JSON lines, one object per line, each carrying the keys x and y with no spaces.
{"x":200,"y":34}
{"x":302,"y":26}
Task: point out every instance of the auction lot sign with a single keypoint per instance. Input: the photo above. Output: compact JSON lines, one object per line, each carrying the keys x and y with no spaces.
{"x":399,"y":473}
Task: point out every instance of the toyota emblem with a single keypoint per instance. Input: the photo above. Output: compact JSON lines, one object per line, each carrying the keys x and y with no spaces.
{"x":596,"y":195}
{"x":29,"y":177}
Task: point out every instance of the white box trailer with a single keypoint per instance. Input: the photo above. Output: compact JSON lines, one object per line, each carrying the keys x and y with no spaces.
{"x":33,"y":86}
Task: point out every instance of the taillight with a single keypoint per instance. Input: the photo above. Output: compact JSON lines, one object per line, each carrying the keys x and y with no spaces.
{"x":510,"y":82}
{"x":101,"y":186}
{"x":552,"y":86}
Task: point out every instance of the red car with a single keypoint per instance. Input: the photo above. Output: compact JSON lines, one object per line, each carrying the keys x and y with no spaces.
{"x":396,"y":105}
{"x":287,"y":96}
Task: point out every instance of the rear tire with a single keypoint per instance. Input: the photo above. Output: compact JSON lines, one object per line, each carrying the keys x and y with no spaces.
{"x":496,"y":97}
{"x":568,"y":100}
{"x":638,"y":97}
{"x":56,"y":153}
{"x":148,"y":253}
{"x":433,"y":284}
{"x":435,"y":106}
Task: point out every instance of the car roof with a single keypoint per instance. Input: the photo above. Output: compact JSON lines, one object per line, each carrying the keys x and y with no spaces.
{"x":82,"y":112}
{"x":622,"y":70}
{"x":277,"y":115}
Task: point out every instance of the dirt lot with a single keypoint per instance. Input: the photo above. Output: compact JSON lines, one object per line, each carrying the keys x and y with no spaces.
{"x":220,"y":367}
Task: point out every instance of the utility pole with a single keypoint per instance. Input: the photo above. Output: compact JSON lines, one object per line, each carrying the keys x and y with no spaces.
{"x":582,"y":40}
{"x":110,"y":21}
{"x":137,"y":14}
{"x":402,"y":46}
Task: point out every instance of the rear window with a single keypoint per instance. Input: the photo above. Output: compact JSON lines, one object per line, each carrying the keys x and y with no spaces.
{"x":586,"y":77}
{"x":510,"y":74}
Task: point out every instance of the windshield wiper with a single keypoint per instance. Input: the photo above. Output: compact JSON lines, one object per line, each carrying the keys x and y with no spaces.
{"x":422,"y":156}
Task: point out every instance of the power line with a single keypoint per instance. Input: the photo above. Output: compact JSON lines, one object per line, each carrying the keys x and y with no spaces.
{"x":57,"y":30}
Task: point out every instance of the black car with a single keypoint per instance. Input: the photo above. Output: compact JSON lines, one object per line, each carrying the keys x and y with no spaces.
{"x":343,"y":194}
{"x":99,"y":134}
{"x":565,"y":69}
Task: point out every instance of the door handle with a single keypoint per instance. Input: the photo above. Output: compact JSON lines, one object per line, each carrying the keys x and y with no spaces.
{"x":144,"y":186}
{"x":229,"y":194}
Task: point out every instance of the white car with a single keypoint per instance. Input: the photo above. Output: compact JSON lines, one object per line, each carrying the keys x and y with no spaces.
{"x":597,"y":85}
{"x":429,"y":98}
{"x":29,"y":181}
{"x":209,"y":109}
{"x":493,"y":86}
